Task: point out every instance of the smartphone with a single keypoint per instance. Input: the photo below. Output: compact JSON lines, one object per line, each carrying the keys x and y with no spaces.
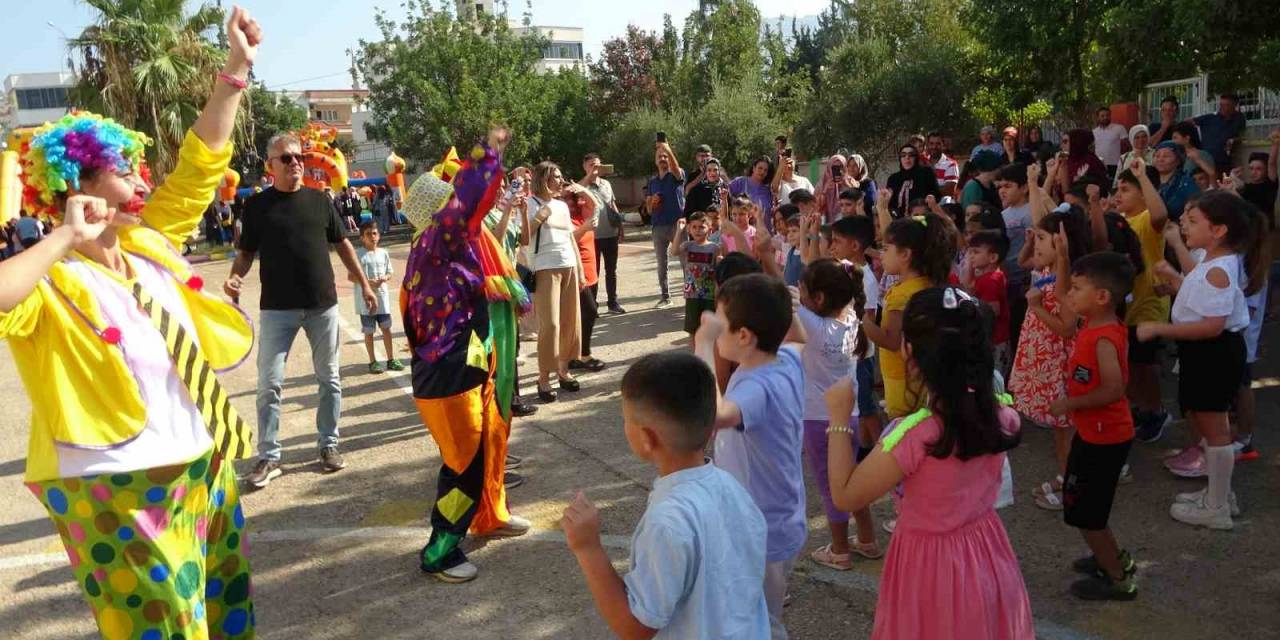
{"x":661,"y":137}
{"x":606,"y":170}
{"x":516,"y":186}
{"x":837,"y":171}
{"x":786,"y":153}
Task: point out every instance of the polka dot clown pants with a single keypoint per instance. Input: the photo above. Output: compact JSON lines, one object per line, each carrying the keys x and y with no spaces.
{"x":159,"y":553}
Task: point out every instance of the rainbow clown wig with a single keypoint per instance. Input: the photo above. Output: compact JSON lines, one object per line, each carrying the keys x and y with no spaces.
{"x":78,"y":145}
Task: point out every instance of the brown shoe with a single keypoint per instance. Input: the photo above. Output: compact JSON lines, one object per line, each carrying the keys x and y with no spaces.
{"x":331,"y":460}
{"x":263,"y":473}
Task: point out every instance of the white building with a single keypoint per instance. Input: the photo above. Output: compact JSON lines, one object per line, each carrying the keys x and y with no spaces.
{"x":32,"y":99}
{"x":563,"y":51}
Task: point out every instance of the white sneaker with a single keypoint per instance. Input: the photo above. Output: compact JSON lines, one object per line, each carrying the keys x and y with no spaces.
{"x":1201,"y":515}
{"x":465,"y":572}
{"x":514,"y":526}
{"x":1196,"y":497}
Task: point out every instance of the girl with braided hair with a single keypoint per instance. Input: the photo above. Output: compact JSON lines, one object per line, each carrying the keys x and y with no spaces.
{"x":950,"y":571}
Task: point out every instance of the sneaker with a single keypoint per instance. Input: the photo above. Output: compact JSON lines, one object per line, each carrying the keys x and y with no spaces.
{"x":1244,"y":452}
{"x":1201,"y":515}
{"x":1181,"y":457}
{"x":513,"y":527}
{"x":511,"y":480}
{"x":331,"y":460}
{"x":1126,"y":474}
{"x":1151,"y":428}
{"x":263,"y":473}
{"x":1196,"y":497}
{"x":1089,"y":565}
{"x":1102,"y":587}
{"x":514,"y":462}
{"x":465,"y":572}
{"x":376,"y":367}
{"x":664,"y":301}
{"x":1190,"y":465}
{"x":616,"y":309}
{"x":394,"y":364}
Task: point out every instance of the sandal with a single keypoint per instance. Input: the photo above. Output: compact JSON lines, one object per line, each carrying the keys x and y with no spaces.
{"x":1055,"y":486}
{"x":569,"y":384}
{"x":868,"y":550}
{"x":548,"y":395}
{"x":590,"y":364}
{"x":830,"y":559}
{"x":1049,"y":501}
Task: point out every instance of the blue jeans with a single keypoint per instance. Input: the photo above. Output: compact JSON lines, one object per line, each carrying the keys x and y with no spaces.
{"x":275,"y":335}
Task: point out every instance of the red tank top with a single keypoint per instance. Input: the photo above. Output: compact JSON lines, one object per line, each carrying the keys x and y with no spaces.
{"x":1112,"y":423}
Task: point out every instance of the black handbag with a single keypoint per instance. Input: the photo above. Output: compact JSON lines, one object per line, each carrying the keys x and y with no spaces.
{"x":526,"y":274}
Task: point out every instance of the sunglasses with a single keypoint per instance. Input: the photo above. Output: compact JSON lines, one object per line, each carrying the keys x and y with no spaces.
{"x":288,"y":158}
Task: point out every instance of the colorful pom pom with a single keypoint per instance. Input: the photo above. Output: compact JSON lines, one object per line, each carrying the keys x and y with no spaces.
{"x":111,"y":335}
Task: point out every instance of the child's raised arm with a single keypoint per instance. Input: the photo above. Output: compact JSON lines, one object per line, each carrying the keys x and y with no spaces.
{"x":888,"y":336}
{"x":704,"y":346}
{"x":854,"y":486}
{"x":581,"y":524}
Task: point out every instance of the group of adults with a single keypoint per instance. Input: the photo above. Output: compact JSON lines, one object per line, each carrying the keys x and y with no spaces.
{"x":380,"y":203}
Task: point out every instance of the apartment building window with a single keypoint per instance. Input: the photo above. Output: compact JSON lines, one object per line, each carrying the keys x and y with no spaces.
{"x":48,"y":98}
{"x":563,"y":50}
{"x":327,"y":115}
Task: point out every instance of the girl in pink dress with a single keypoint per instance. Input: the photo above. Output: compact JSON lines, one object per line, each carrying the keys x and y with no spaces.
{"x":1048,"y":335}
{"x":950,"y":571}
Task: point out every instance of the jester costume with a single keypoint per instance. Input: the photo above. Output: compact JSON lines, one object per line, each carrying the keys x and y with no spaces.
{"x":460,"y":299}
{"x":132,"y":436}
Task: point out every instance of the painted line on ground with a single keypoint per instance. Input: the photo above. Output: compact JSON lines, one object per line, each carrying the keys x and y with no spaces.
{"x":854,"y":580}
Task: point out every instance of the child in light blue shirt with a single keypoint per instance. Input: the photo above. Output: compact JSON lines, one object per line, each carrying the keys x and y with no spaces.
{"x":698,"y":553}
{"x":760,"y":419}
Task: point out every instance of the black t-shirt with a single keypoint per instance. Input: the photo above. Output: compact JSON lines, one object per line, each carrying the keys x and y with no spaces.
{"x":1263,"y":196}
{"x":291,"y":233}
{"x":703,"y":196}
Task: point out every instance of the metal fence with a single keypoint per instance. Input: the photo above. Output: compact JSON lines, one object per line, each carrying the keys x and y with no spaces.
{"x":1260,"y":105}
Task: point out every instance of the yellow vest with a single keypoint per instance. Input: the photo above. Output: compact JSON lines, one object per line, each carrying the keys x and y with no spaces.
{"x":82,"y":392}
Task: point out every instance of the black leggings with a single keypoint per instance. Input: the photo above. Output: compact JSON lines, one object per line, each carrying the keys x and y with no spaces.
{"x":587,"y":304}
{"x":607,"y":247}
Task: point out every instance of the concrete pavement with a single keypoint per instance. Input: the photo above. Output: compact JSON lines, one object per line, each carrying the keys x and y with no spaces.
{"x":334,"y":556}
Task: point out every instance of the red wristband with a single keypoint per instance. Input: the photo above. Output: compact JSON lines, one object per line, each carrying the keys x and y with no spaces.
{"x":232,"y":80}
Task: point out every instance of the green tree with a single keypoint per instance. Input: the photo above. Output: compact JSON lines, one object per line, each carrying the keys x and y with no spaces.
{"x":1045,"y":49}
{"x":625,"y":76}
{"x":436,"y":81}
{"x":570,"y":127}
{"x":149,"y":64}
{"x":724,"y":43}
{"x":1156,"y":40}
{"x":735,"y":122}
{"x":272,"y":113}
{"x":630,"y":145}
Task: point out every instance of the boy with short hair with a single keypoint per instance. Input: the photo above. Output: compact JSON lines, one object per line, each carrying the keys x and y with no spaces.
{"x":792,"y":264}
{"x":698,"y":553}
{"x":986,"y":279}
{"x":697,"y":254}
{"x":1098,"y":371}
{"x":758,"y":421}
{"x":1143,"y":208}
{"x":376,"y":263}
{"x":852,"y":203}
{"x":851,"y":239}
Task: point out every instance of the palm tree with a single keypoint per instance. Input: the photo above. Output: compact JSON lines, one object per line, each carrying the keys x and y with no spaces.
{"x":150,"y":66}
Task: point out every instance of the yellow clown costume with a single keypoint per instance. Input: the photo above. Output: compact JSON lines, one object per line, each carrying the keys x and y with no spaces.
{"x":131,"y":433}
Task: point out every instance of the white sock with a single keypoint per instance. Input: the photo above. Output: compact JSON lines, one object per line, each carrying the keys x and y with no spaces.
{"x":1221,"y":461}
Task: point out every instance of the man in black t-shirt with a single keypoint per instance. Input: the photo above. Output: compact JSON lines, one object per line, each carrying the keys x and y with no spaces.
{"x":292,"y":227}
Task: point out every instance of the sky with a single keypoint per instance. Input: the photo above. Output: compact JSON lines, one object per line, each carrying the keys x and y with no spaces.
{"x":306,"y":41}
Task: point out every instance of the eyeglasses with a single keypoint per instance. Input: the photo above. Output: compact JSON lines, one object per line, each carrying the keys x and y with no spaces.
{"x":289,"y":158}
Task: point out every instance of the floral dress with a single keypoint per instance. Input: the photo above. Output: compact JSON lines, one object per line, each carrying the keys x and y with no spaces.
{"x":1040,"y":367}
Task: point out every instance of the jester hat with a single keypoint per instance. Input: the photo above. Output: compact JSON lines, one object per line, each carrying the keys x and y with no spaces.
{"x":454,"y":259}
{"x":60,"y":153}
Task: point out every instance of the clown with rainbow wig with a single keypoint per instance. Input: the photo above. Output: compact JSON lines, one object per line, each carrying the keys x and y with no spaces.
{"x":460,"y":299}
{"x":118,"y":346}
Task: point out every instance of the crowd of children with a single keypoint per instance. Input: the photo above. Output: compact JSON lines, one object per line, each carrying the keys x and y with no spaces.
{"x":793,"y":326}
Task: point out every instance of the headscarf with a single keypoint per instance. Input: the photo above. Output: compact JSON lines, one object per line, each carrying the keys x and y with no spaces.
{"x":829,"y":188}
{"x":1081,"y":161}
{"x":1135,"y":130}
{"x":62,"y":151}
{"x":909,"y":184}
